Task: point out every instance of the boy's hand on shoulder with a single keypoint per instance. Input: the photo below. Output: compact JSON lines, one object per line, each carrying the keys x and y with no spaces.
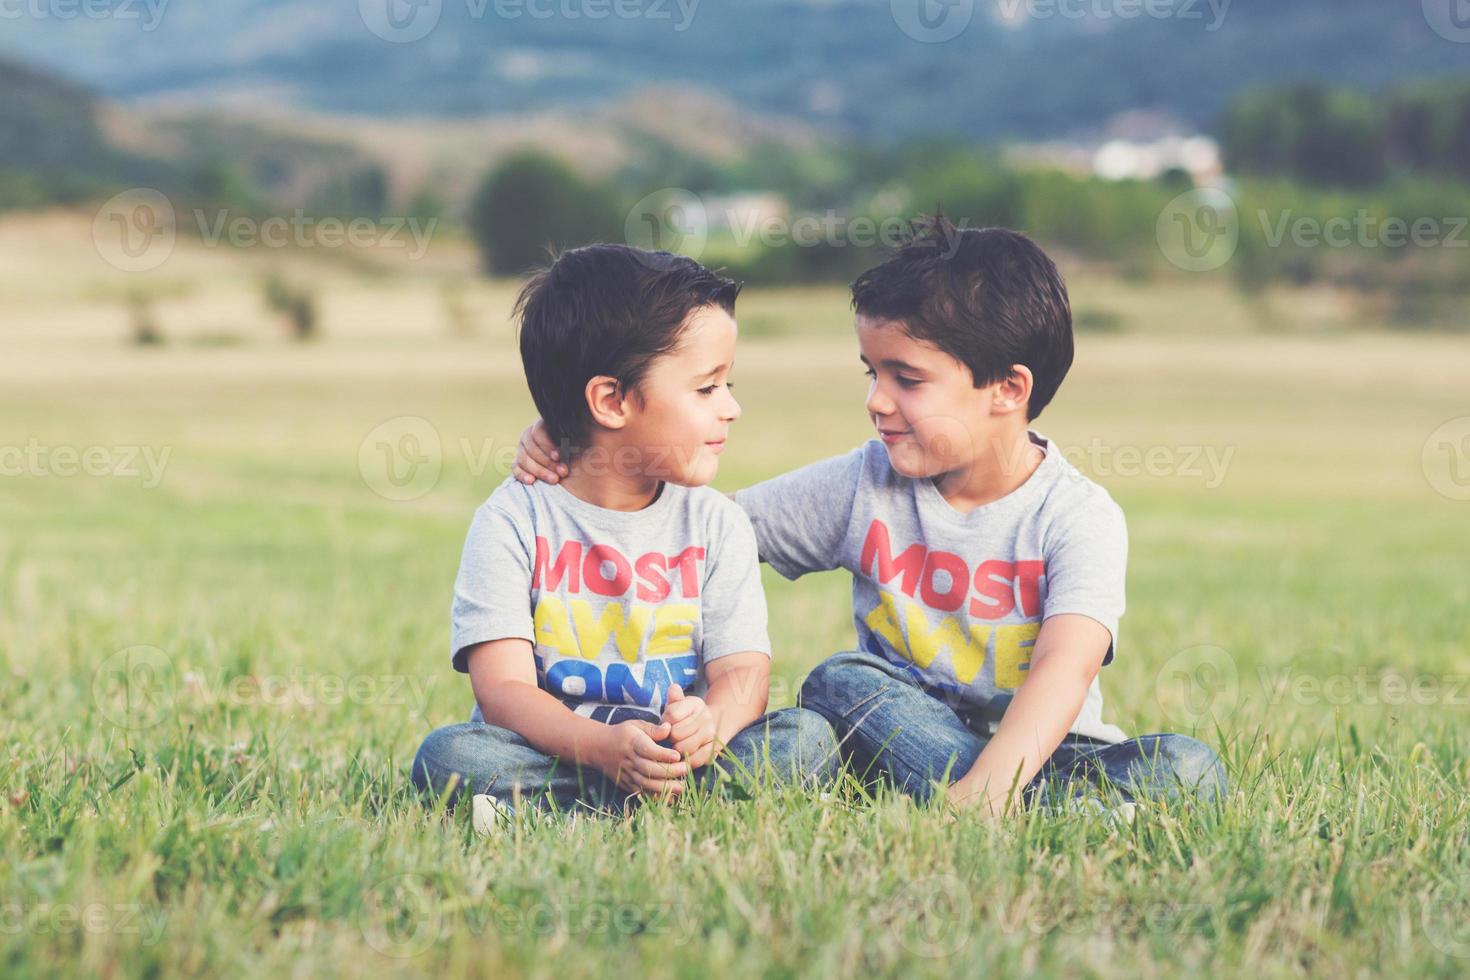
{"x":632,"y":757}
{"x":537,"y":457}
{"x":692,"y":726}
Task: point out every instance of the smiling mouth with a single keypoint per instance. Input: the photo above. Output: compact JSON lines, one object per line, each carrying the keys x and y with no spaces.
{"x":892,"y":436}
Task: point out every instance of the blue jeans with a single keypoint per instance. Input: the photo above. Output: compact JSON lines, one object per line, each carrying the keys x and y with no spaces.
{"x":891,"y":729}
{"x":791,"y":745}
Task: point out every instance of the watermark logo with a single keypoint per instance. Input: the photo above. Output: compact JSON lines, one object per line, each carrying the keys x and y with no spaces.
{"x":932,"y":21}
{"x":35,"y":458}
{"x":1199,"y":230}
{"x":401,"y":459}
{"x":1198,"y":685}
{"x":1211,"y":12}
{"x":136,"y":230}
{"x":148,"y":13}
{"x":134,"y":688}
{"x":1450,"y":19}
{"x":400,"y":21}
{"x":1446,"y":459}
{"x":931,"y":916}
{"x":669,"y":220}
{"x":399,"y":916}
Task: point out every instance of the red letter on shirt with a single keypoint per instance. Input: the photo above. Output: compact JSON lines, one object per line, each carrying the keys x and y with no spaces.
{"x":878,"y":546}
{"x":568,"y":565}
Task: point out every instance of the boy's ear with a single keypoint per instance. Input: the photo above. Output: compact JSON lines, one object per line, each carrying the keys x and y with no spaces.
{"x":1013,"y":392}
{"x":607,"y":402}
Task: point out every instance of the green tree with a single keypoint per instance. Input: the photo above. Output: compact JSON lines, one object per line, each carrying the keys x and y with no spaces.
{"x":532,"y":204}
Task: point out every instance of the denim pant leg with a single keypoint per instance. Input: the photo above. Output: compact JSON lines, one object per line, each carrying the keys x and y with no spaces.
{"x":889,"y":727}
{"x":1156,"y":767}
{"x":792,"y":745}
{"x":493,"y":760}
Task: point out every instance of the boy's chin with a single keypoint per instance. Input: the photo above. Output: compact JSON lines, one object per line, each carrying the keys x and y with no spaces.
{"x":698,"y":475}
{"x":911,"y":461}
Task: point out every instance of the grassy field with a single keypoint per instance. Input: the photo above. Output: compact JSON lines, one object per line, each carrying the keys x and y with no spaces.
{"x":225,"y":634}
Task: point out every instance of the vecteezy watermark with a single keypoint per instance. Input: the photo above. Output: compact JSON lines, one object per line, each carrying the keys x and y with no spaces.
{"x":937,"y":21}
{"x":1450,"y":19}
{"x":301,"y":230}
{"x":1207,"y":464}
{"x":36,"y":458}
{"x":1446,"y":459}
{"x":1203,"y":685}
{"x":305,"y":689}
{"x":135,"y":687}
{"x":678,"y":220}
{"x":141,"y":686}
{"x":1102,"y":918}
{"x":94,"y":918}
{"x":401,"y":459}
{"x":1198,"y":685}
{"x":1362,"y":230}
{"x":135,"y":231}
{"x":1211,"y":13}
{"x":1363,"y":686}
{"x":147,"y":13}
{"x":932,"y":21}
{"x":931,"y":915}
{"x":1445,"y":919}
{"x":406,"y":21}
{"x":1199,"y":230}
{"x":402,"y":916}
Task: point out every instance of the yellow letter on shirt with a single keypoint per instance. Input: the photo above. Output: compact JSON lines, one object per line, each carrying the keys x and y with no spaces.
{"x":551,"y":627}
{"x":1013,"y":645}
{"x":673,"y":630}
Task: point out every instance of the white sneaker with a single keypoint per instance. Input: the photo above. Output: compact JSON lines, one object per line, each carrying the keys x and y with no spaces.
{"x":489,"y":815}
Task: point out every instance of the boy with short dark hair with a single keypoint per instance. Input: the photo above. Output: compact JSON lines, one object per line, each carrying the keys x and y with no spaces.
{"x":613,"y":625}
{"x":988,"y":573}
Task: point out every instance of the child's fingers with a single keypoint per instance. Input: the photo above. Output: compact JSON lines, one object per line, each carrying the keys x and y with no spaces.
{"x":687,"y":747}
{"x":658,"y":787}
{"x":679,"y":711}
{"x":536,"y":460}
{"x":687,"y":727}
{"x":542,"y":436}
{"x":661,"y":770}
{"x":646,"y":745}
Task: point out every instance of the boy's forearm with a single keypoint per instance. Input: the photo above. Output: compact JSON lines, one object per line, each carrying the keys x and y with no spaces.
{"x":548,"y":725}
{"x":737,"y":699}
{"x":1037,"y":720}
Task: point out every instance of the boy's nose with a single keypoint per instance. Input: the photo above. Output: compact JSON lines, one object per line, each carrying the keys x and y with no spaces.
{"x":878,"y":403}
{"x":732,"y":410}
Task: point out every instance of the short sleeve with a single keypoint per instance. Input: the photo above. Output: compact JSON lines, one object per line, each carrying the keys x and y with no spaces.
{"x":1086,"y":565}
{"x":492,"y":593}
{"x":801,"y":518}
{"x":734,"y":604}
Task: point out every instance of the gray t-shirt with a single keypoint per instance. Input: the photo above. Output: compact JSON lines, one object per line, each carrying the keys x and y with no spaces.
{"x":618,"y":604}
{"x":957,"y":599}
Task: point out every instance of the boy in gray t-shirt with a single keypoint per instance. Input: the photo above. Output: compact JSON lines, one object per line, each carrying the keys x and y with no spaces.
{"x":613,"y":626}
{"x":988,"y":573}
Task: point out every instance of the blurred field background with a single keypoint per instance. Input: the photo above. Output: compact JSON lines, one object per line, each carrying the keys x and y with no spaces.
{"x":236,"y":480}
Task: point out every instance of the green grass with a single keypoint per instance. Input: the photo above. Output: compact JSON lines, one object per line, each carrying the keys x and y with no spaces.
{"x":248,"y":812}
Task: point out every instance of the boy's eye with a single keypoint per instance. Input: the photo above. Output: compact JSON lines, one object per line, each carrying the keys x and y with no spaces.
{"x":908,"y":382}
{"x":870,"y":372}
{"x":711,"y":389}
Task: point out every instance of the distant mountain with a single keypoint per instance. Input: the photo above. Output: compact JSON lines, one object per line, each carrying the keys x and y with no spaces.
{"x":1013,"y":69}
